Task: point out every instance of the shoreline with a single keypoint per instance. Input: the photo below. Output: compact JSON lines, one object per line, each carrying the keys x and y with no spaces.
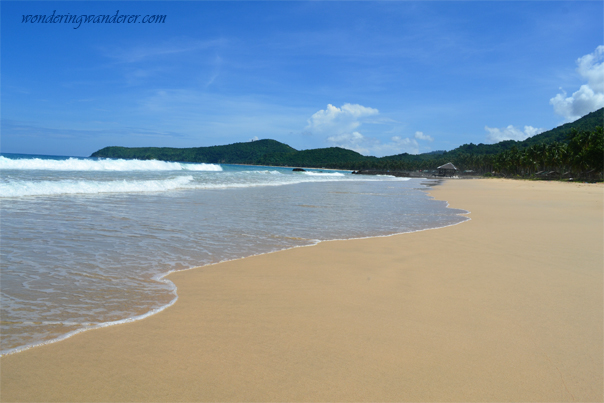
{"x":379,"y":318}
{"x":162,"y":278}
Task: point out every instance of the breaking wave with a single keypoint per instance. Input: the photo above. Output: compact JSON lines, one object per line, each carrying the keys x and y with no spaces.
{"x":311,"y":173}
{"x":76,"y":164}
{"x":62,"y":187}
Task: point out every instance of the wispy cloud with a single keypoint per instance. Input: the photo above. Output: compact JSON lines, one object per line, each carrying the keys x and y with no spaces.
{"x":145,"y":52}
{"x":397,"y":145}
{"x":24,"y":129}
{"x":217,"y":64}
{"x":422,"y":136}
{"x":210,"y":116}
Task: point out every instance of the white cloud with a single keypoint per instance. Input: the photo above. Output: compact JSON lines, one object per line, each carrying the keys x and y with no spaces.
{"x":422,"y":136}
{"x":531,"y":131}
{"x":334,"y":120}
{"x":355,"y":137}
{"x":399,"y":145}
{"x":353,"y":141}
{"x":341,"y":125}
{"x":368,"y":146}
{"x":511,"y":133}
{"x":591,"y":70}
{"x":590,"y":96}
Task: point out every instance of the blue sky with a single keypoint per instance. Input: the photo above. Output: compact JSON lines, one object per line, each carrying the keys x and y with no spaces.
{"x":380,"y":78}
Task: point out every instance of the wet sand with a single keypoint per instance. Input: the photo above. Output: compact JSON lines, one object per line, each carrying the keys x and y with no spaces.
{"x":505,"y":307}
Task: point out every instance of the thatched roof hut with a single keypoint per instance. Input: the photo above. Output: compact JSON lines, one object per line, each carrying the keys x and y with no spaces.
{"x":447,"y":170}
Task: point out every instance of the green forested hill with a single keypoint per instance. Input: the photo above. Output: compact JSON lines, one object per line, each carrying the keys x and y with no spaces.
{"x":333,"y":157}
{"x":260,"y":152}
{"x":270,"y":152}
{"x":560,"y":134}
{"x":238,"y":153}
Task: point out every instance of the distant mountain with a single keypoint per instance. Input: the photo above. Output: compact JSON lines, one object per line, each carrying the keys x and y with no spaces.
{"x":588,"y":123}
{"x":560,"y":134}
{"x":260,"y":152}
{"x":332,"y":157}
{"x":238,"y":153}
{"x":272,"y":152}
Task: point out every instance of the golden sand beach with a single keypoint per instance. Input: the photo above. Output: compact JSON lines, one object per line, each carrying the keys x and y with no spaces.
{"x":505,"y":307}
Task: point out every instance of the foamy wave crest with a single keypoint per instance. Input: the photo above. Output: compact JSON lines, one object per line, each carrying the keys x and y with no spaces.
{"x":200,"y":167}
{"x":265,"y":172}
{"x":75,"y":164}
{"x":310,"y":173}
{"x":50,"y":188}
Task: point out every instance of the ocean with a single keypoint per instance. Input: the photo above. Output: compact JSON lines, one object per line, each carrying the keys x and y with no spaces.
{"x":87,"y":242}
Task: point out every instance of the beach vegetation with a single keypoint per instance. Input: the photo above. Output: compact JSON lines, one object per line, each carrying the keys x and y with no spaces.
{"x":571,"y":151}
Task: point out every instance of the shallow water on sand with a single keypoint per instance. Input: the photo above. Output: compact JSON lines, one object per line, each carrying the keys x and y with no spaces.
{"x":86,"y":242}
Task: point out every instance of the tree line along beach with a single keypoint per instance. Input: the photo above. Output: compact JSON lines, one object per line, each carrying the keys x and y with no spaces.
{"x":571,"y":151}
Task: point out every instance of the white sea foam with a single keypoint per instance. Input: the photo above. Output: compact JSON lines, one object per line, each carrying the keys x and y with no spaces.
{"x":75,"y":164}
{"x":265,"y":172}
{"x":79,"y":186}
{"x":312,"y":173}
{"x":116,"y":246}
{"x":49,"y":188}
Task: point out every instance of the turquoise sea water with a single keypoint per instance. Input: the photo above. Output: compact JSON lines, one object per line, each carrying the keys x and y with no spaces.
{"x":86,"y":242}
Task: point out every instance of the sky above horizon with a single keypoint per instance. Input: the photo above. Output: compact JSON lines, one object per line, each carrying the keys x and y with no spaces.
{"x":380,"y":78}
